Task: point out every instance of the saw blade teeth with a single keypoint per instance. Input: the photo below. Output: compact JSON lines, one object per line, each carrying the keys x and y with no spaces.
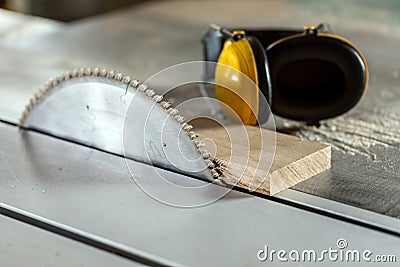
{"x":142,"y":88}
{"x":179,"y":118}
{"x":157,"y":98}
{"x":75,"y":73}
{"x":96,"y":72}
{"x":165,"y":104}
{"x":46,"y":88}
{"x":67,"y":76}
{"x":214,"y":173}
{"x":172,"y":111}
{"x":60,"y":79}
{"x":40,"y":95}
{"x":32,"y":102}
{"x":52,"y":82}
{"x":126,"y":79}
{"x":103,"y":73}
{"x":88,"y":72}
{"x":119,"y":77}
{"x":210,"y":164}
{"x":187,"y":127}
{"x":149,"y":93}
{"x":111,"y":74}
{"x":55,"y":81}
{"x":205,"y":154}
{"x":134,"y":83}
{"x":192,"y":135}
{"x":198,"y":144}
{"x":37,"y":95}
{"x":23,"y":118}
{"x":28,"y":108}
{"x":81,"y":72}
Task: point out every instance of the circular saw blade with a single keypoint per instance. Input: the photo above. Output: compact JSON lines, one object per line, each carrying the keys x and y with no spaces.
{"x":97,"y":108}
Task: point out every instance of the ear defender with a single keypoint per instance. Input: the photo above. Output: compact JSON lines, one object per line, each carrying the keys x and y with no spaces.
{"x":310,"y":74}
{"x":245,"y":59}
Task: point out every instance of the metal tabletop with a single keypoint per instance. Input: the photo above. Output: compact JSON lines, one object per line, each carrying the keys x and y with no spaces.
{"x":78,"y":189}
{"x":24,"y":245}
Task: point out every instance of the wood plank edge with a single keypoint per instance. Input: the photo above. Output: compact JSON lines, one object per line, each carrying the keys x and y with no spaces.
{"x":300,"y":170}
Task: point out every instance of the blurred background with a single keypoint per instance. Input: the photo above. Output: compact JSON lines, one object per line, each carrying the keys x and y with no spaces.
{"x":65,"y":10}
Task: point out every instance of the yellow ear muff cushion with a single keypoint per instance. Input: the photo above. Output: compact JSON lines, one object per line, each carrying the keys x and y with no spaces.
{"x":232,"y":86}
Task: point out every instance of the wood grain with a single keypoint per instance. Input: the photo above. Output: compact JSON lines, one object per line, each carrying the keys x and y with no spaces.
{"x":245,"y":156}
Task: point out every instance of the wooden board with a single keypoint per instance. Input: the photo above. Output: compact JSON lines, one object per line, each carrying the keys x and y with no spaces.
{"x":245,"y":156}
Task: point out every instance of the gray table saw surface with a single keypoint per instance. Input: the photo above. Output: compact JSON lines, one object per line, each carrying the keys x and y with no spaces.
{"x":100,"y":199}
{"x":78,"y":188}
{"x":29,"y":246}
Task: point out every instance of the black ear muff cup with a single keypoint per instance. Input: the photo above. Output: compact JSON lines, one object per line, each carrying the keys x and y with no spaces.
{"x":315,"y":77}
{"x":264,"y":81}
